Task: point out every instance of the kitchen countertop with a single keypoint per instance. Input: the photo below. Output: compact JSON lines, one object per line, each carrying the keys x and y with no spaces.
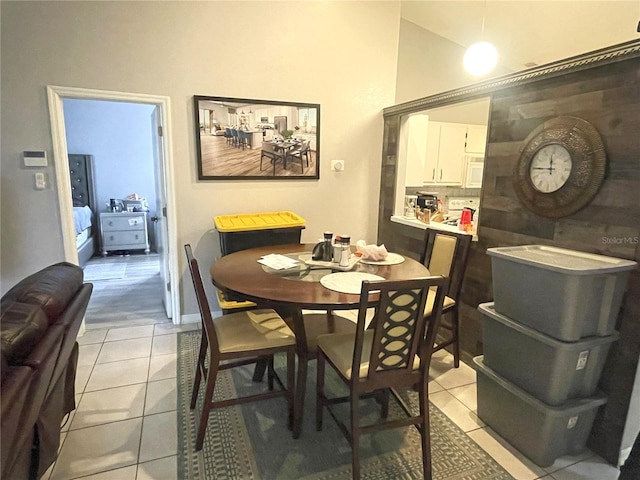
{"x":418,"y":224}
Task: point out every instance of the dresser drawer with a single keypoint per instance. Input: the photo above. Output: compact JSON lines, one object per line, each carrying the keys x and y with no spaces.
{"x":124,"y":222}
{"x":125,"y":239}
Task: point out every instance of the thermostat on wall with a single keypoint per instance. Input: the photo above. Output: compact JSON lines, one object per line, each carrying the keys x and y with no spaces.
{"x":34,"y":158}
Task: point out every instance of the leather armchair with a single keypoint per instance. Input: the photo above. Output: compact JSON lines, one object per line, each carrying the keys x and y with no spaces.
{"x":39,"y":323}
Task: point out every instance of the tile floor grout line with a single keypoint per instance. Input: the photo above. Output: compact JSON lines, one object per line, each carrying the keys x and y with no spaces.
{"x":144,"y":407}
{"x":105,"y":471}
{"x":110,"y":422}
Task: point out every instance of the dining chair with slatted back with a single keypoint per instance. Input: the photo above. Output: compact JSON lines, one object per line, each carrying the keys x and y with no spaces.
{"x":447,"y":253}
{"x":237,"y":339}
{"x":394,"y":352}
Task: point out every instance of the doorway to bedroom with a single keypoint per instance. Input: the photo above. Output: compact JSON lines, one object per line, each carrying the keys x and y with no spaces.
{"x":157,"y":179}
{"x":119,"y":255}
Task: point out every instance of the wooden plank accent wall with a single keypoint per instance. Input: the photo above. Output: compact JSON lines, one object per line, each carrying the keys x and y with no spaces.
{"x":609,"y":98}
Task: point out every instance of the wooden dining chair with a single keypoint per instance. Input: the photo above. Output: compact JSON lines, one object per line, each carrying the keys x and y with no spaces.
{"x":237,"y":339}
{"x":301,"y":151}
{"x":446,"y":253}
{"x":270,"y":152}
{"x":394,"y":352}
{"x":309,"y":325}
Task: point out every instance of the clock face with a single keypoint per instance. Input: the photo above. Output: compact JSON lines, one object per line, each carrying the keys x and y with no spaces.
{"x":550,"y":168}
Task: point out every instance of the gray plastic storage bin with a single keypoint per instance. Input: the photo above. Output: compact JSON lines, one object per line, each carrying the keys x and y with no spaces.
{"x":541,"y":432}
{"x":550,"y":370}
{"x":563,"y":293}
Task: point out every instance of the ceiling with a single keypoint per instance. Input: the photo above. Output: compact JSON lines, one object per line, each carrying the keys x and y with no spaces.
{"x":529,"y":31}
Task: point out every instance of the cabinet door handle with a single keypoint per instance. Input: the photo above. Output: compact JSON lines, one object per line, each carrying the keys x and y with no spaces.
{"x":440,"y":174}
{"x":433,"y":174}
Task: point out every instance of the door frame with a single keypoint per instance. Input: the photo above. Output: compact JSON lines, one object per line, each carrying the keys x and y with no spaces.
{"x":55,"y":96}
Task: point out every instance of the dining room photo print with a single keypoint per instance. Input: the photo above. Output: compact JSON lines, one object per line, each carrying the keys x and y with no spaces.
{"x":249,"y":139}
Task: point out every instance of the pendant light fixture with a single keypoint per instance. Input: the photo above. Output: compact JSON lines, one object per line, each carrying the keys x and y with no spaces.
{"x":481,"y":57}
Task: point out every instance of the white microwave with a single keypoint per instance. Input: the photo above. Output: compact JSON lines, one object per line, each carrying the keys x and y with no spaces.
{"x":474,"y":171}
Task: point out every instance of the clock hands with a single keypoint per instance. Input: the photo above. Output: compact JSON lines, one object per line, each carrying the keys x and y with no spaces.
{"x":544,"y":168}
{"x":550,"y":167}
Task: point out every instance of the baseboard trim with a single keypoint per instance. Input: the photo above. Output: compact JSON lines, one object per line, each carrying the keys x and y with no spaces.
{"x":195,"y":317}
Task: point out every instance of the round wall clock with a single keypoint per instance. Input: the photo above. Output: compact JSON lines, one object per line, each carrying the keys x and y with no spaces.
{"x":560,"y":168}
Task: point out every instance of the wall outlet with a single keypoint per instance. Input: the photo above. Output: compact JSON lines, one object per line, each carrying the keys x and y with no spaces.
{"x":337,"y":165}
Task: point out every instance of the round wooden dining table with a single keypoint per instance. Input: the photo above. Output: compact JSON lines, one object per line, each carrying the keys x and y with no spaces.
{"x":241,"y":275}
{"x":291,"y":290}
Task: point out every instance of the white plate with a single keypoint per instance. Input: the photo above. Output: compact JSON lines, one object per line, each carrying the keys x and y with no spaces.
{"x":347,"y":282}
{"x":392,"y":259}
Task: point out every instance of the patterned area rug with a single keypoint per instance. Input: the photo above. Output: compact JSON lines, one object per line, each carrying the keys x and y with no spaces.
{"x":252,"y":441}
{"x":104,"y":271}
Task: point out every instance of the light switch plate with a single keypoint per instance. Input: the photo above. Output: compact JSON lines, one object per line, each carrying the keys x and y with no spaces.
{"x":39,"y":178}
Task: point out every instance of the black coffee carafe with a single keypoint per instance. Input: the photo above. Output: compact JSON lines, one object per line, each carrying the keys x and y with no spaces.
{"x":115,"y":205}
{"x":323,"y":250}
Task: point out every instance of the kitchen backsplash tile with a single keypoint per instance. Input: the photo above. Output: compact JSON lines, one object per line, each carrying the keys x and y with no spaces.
{"x":444,"y":192}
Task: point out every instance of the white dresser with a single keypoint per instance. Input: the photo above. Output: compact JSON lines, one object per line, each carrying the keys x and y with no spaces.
{"x":124,"y":231}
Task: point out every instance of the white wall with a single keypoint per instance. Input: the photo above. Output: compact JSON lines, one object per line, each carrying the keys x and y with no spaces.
{"x":430,"y":64}
{"x":340,"y":54}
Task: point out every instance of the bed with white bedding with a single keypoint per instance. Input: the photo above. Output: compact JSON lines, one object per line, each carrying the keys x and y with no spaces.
{"x":83,"y":220}
{"x":83,"y":192}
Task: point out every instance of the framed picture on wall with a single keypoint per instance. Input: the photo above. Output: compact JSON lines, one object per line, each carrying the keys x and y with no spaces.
{"x":249,"y":139}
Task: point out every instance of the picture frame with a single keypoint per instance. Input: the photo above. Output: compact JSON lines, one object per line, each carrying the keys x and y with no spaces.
{"x":234,"y":142}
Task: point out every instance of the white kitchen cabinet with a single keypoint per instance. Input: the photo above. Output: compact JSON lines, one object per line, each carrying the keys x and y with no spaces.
{"x":445,"y":158}
{"x":417,"y":127}
{"x":476,"y":139}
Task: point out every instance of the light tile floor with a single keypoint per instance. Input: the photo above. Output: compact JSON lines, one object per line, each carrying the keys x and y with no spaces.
{"x":125,"y":427}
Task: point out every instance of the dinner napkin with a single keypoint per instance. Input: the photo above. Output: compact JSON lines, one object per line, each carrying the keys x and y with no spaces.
{"x":277,"y":262}
{"x":371,"y":252}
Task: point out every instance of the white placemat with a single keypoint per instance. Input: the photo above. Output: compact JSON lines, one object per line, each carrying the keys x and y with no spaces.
{"x":347,"y":282}
{"x":392,"y":259}
{"x":278,"y":262}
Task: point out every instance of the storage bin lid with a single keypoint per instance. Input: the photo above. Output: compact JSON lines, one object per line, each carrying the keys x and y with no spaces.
{"x":585,"y":343}
{"x":257,"y":221}
{"x":562,"y":260}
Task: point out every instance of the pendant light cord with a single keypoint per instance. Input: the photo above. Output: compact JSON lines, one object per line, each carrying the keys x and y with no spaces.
{"x":484,"y":13}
